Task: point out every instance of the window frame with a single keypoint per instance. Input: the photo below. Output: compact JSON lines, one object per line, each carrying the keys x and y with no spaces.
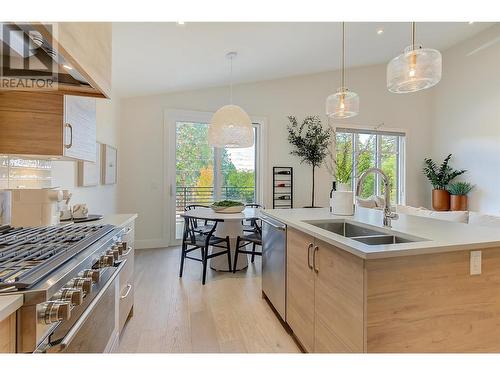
{"x":170,"y":118}
{"x":400,"y":156}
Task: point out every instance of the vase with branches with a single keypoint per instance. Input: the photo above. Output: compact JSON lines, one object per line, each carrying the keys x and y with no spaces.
{"x":310,"y":141}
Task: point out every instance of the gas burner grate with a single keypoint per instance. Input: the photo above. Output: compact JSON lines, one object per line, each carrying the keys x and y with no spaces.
{"x":29,"y":254}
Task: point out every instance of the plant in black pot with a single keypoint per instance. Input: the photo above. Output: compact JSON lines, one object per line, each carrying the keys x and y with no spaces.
{"x":440,"y":177}
{"x":310,"y":141}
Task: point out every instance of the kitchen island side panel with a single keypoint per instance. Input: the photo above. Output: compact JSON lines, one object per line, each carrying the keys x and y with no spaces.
{"x":431,"y":303}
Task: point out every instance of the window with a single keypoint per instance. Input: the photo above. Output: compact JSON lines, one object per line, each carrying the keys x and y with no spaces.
{"x":363,"y":149}
{"x":204,"y":174}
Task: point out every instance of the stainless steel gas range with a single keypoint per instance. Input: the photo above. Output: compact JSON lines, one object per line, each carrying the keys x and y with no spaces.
{"x":68,"y":278}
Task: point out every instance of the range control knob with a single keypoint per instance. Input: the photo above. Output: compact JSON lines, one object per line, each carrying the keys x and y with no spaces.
{"x":106,"y":261}
{"x":54,"y":311}
{"x":117,"y":248}
{"x":114,"y":253}
{"x":82,"y":283}
{"x":73,"y":295}
{"x":90,"y":273}
{"x":122,"y":246}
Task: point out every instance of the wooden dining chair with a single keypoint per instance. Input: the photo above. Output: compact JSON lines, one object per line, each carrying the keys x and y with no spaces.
{"x":249,"y":226}
{"x":254,"y":238}
{"x":200,"y":226}
{"x":193,"y":240}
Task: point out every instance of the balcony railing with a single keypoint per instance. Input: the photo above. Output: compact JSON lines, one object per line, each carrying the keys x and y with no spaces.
{"x":186,"y":195}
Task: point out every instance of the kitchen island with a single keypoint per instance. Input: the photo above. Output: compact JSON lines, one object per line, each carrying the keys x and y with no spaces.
{"x":423,"y":286}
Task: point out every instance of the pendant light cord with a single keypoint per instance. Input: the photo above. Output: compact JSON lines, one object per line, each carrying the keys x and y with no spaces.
{"x":342,"y":78}
{"x":231,"y":81}
{"x":413,"y":29}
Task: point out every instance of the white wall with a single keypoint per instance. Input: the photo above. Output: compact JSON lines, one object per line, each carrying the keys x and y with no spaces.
{"x":466,"y":116}
{"x":100,"y":199}
{"x":141,"y":168}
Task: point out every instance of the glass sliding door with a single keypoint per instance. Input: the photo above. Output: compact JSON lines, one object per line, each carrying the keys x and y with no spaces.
{"x":204,"y":174}
{"x":238,"y":173}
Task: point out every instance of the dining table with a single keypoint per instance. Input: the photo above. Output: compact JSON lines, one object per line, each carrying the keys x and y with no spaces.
{"x":228,"y":225}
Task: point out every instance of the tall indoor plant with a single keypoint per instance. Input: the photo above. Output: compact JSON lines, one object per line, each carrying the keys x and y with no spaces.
{"x":440,"y":177}
{"x":310,"y":141}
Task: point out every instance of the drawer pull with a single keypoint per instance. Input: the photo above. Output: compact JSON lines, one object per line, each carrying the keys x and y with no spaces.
{"x":129,"y":229}
{"x":309,"y":256}
{"x":129,"y":249}
{"x":316,"y":268}
{"x":129,"y":288}
{"x":71,"y":136}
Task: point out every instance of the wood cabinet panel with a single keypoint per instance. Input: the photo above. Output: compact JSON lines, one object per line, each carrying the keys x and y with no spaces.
{"x":325,"y":341}
{"x":8,"y":334}
{"x":339,"y":297}
{"x":31,"y":133}
{"x":36,"y":124}
{"x":300,"y":288}
{"x":27,"y":101}
{"x":431,"y":303}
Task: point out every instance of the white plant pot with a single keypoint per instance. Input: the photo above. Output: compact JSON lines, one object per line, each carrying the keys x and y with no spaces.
{"x":342,"y":203}
{"x":343,"y":186}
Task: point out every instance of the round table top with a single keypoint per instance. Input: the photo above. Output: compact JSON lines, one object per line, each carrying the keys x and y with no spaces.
{"x":209,"y":214}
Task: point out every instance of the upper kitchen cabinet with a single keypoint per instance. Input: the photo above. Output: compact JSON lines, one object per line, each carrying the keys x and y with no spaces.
{"x":48,"y":125}
{"x":72,"y":57}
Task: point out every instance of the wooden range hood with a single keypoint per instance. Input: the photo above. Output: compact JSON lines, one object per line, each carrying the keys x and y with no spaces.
{"x":72,"y":58}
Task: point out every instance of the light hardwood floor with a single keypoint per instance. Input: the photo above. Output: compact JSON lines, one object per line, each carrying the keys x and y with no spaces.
{"x":173,"y":315}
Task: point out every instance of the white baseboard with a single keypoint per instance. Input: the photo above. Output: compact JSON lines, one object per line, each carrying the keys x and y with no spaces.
{"x":151,"y":244}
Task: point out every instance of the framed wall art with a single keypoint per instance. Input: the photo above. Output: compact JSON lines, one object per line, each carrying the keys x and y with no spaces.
{"x":109,"y":161}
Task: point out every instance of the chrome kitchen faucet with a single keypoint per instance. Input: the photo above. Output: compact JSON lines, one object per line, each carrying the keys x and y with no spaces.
{"x":388,"y":214}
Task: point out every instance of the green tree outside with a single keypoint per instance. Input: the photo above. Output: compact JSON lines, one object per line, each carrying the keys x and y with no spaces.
{"x":194,"y":161}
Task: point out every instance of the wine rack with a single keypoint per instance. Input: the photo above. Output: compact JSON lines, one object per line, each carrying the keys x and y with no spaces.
{"x":282,"y":187}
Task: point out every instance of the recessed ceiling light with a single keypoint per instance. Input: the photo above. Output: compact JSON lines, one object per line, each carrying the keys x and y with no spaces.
{"x":180,"y":23}
{"x":380,"y":31}
{"x":471,"y":22}
{"x":67,"y":67}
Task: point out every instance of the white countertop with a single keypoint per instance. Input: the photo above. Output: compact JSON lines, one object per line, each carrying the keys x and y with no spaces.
{"x":441,"y":236}
{"x":113,"y":219}
{"x":10,"y":304}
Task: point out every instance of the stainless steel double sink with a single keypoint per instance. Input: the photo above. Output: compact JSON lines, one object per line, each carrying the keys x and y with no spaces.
{"x":362,"y":233}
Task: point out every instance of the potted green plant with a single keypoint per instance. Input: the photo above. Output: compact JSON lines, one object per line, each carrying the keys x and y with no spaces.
{"x":310,"y":141}
{"x":458,"y":199}
{"x":440,"y":177}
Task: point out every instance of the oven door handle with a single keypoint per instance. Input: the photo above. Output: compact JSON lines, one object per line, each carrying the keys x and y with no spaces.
{"x":129,"y":250}
{"x":63,"y":344}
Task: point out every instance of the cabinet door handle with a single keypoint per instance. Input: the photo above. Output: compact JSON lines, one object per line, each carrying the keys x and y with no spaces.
{"x":125,"y":295}
{"x":316,"y":268}
{"x":309,"y":256}
{"x":71,"y":136}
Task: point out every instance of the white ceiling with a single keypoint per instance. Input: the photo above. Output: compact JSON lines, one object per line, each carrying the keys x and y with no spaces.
{"x":150,"y":58}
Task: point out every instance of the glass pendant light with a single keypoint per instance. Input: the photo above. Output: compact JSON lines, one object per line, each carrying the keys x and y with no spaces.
{"x":415,"y":69}
{"x":343,"y":103}
{"x":231,"y":126}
